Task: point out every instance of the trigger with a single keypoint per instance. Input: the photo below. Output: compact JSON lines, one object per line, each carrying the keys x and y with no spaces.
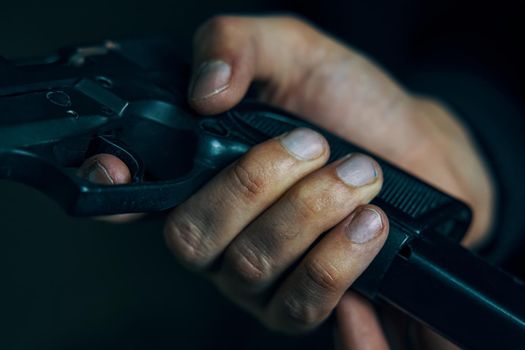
{"x":117,"y":148}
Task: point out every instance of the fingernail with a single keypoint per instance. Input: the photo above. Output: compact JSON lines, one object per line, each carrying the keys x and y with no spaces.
{"x":304,"y":144}
{"x":358,"y":170}
{"x":97,"y":173}
{"x":365,"y":226}
{"x":211,"y":78}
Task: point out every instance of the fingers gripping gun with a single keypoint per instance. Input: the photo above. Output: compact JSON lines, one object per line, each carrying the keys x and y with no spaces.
{"x":128,"y":99}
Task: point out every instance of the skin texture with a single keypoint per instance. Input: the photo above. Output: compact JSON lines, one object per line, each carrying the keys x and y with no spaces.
{"x":245,"y":228}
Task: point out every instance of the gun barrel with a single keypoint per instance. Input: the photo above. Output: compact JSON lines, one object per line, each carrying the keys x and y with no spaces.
{"x":472,"y":303}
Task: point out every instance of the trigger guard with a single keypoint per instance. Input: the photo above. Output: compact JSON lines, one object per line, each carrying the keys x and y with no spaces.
{"x":117,"y":148}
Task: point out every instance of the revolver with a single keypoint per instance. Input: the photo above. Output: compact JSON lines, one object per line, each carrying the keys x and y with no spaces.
{"x":128,"y":99}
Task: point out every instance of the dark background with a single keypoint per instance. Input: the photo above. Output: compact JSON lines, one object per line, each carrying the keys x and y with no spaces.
{"x":69,"y":283}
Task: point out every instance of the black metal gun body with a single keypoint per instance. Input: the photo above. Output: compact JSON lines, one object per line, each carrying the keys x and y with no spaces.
{"x":109,"y":99}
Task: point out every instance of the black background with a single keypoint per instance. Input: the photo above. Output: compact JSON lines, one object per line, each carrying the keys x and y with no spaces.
{"x":69,"y":283}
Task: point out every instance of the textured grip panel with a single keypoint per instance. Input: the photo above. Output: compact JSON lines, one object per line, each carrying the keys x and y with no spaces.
{"x":400,"y":190}
{"x":409,"y":195}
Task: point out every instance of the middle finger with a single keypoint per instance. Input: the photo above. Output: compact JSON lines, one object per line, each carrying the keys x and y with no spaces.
{"x":279,"y":236}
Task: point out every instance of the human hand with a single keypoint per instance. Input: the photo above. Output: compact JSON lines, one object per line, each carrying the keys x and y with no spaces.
{"x":248,"y":226}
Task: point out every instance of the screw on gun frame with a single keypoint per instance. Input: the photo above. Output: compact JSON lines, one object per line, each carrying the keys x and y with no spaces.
{"x":59,"y":98}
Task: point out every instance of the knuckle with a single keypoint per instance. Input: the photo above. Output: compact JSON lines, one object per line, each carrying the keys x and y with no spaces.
{"x":218,"y":25}
{"x":294,"y":22}
{"x":304,"y":203}
{"x":311,"y":202}
{"x":299,"y":315}
{"x":300,"y":30}
{"x":249,"y":178}
{"x":186,"y":240}
{"x":323,"y":277}
{"x":249,"y":265}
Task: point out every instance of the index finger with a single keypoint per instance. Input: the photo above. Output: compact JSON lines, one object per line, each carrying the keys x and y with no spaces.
{"x":107,"y":169}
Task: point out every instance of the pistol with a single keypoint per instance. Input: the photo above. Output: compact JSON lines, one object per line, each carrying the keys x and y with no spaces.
{"x":128,"y":99}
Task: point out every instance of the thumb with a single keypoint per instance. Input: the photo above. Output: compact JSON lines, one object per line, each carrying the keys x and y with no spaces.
{"x":306,"y":72}
{"x":231,"y":52}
